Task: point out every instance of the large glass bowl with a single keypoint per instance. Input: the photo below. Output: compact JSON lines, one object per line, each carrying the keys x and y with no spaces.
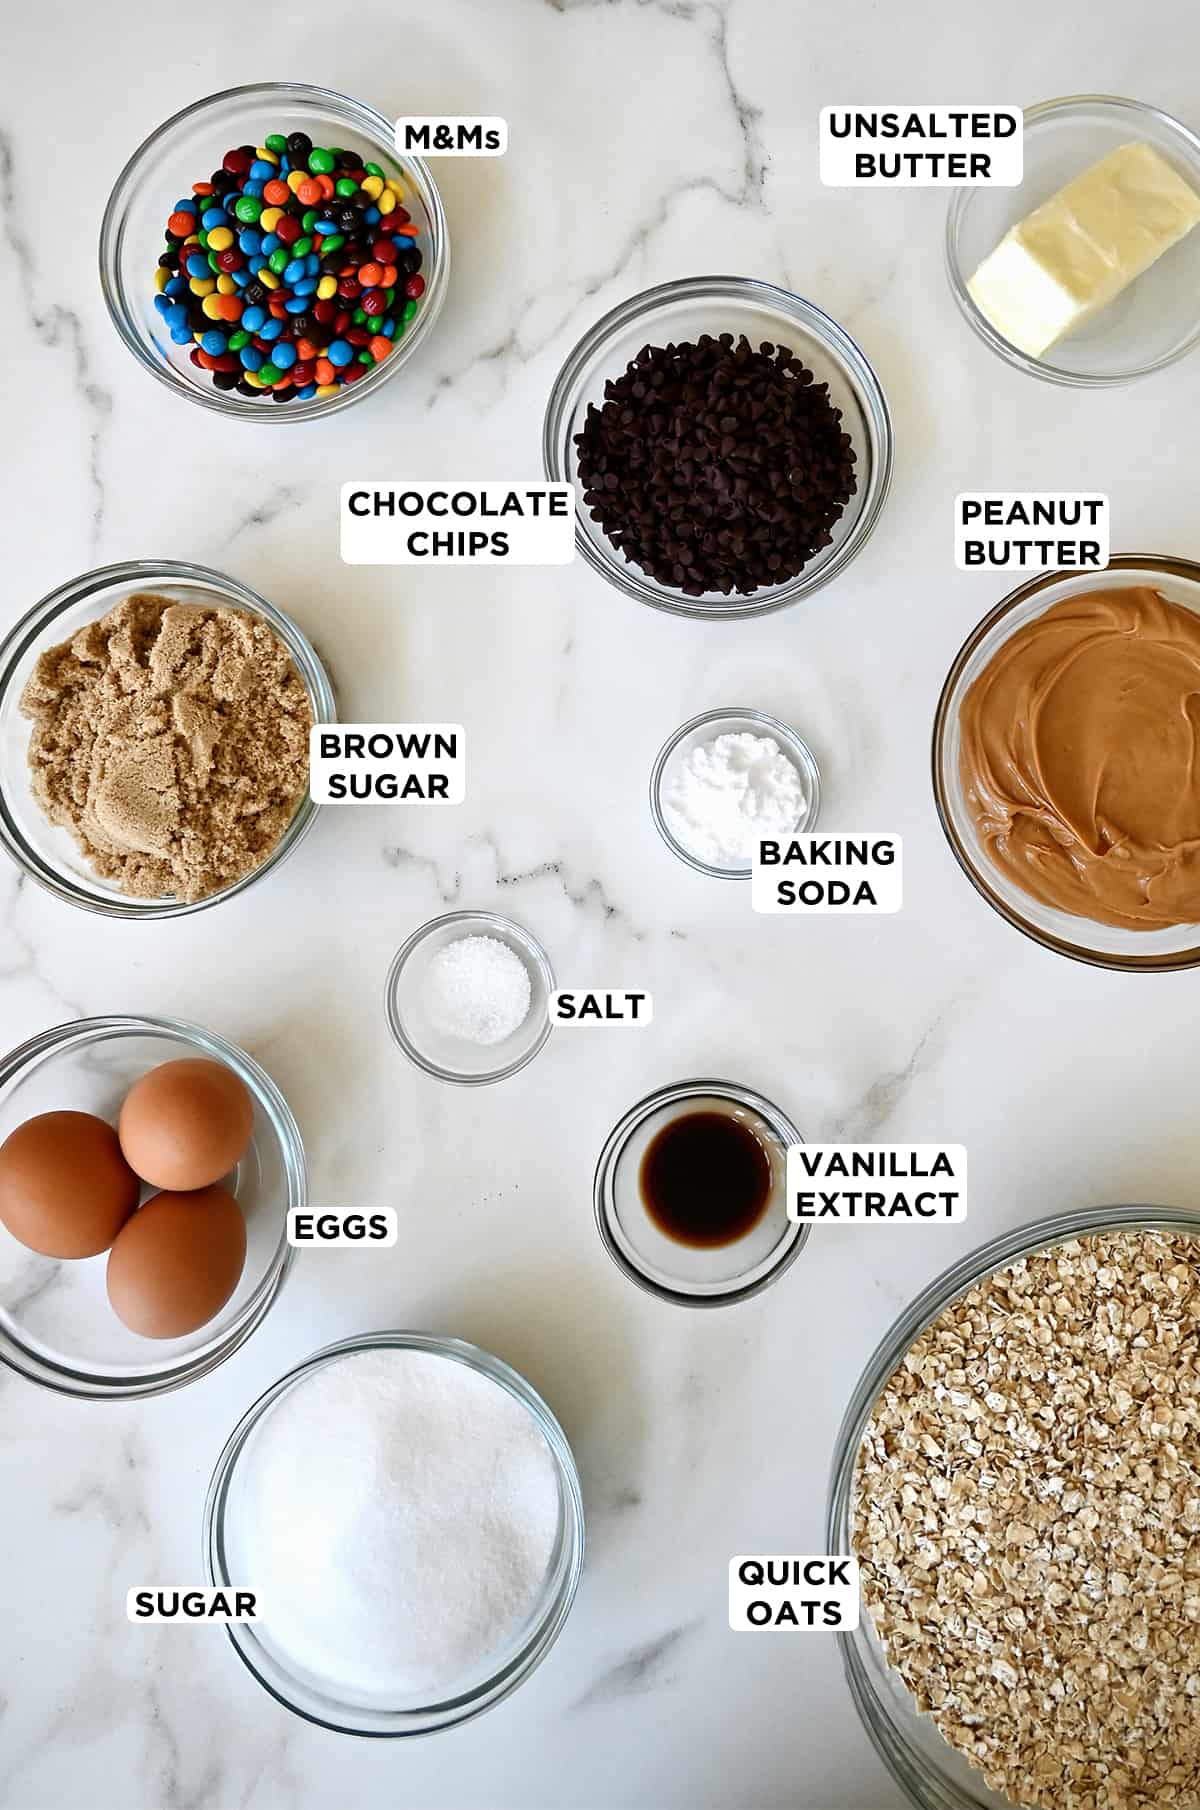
{"x":56,"y":1325}
{"x":185,"y":149}
{"x":47,"y":853}
{"x":1102,"y":945}
{"x":1157,"y":318}
{"x":683,"y":311}
{"x":308,"y":1696}
{"x":934,"y":1775}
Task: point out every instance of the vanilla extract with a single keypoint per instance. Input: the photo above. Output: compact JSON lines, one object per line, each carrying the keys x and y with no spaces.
{"x":705,"y":1179}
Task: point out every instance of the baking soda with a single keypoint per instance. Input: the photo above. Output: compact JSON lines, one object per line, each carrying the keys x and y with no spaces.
{"x":724,"y":795}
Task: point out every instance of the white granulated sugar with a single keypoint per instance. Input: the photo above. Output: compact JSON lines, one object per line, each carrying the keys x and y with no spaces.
{"x":723,"y":795}
{"x":399,"y":1515}
{"x":477,"y":988}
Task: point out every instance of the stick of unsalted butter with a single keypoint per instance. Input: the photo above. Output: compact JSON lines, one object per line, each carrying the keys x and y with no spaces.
{"x":1073,"y":255}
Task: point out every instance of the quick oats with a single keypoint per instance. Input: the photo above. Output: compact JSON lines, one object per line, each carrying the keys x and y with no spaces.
{"x":1027,"y":1520}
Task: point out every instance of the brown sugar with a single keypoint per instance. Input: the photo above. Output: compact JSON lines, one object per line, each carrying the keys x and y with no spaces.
{"x":171,"y":740}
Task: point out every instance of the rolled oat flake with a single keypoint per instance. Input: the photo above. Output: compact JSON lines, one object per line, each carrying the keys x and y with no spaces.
{"x":1027,"y":1521}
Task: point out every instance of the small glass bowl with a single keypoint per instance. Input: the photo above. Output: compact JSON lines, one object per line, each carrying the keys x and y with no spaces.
{"x":683,"y":311}
{"x":1157,"y":318}
{"x":1102,"y":945}
{"x":56,"y":1325}
{"x":452,"y":1058}
{"x":688,"y":1276}
{"x":49,"y":854}
{"x":934,"y":1775}
{"x":184,"y":150}
{"x":704,"y":728}
{"x":309,"y":1697}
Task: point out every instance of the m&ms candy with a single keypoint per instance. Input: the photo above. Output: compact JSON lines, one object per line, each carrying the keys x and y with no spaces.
{"x":291,"y":271}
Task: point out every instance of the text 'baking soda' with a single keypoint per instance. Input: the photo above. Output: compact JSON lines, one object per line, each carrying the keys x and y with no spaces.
{"x":426,"y":524}
{"x":816,"y":873}
{"x":918,"y":1183}
{"x":386,"y":761}
{"x":1031,"y":530}
{"x":779,"y":1592}
{"x":922,"y":147}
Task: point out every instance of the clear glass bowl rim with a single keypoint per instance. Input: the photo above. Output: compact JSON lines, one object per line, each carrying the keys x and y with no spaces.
{"x":792,"y":741}
{"x":840,"y":346}
{"x":80,"y":1383}
{"x":960,"y":201}
{"x":542,"y":1637}
{"x":481,"y":920}
{"x":141,"y":574}
{"x":1168,"y":566}
{"x":606,"y":1167}
{"x":353,"y":113}
{"x":905,"y":1763}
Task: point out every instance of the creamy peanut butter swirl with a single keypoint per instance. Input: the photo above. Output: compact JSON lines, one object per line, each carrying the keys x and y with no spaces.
{"x":1080,"y":758}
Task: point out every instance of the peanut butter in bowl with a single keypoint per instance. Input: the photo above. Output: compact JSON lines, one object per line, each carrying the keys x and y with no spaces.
{"x":1079,"y":755}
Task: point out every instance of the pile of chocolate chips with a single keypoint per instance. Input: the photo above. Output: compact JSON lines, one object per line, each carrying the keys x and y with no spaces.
{"x":716,"y":467}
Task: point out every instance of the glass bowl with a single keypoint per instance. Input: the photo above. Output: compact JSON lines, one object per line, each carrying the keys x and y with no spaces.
{"x":690,"y":1277}
{"x":1157,"y":318}
{"x":56,"y":1325}
{"x":730,"y":722}
{"x":934,"y":1775}
{"x":682,"y":311}
{"x":48,"y":854}
{"x":185,"y":150}
{"x":1103,"y":945}
{"x":453,"y":1058}
{"x":311,"y":1697}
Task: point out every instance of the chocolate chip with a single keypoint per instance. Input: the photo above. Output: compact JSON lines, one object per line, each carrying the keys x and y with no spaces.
{"x":715,"y":467}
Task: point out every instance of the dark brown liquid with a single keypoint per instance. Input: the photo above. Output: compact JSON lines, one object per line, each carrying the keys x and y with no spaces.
{"x":705,"y":1179}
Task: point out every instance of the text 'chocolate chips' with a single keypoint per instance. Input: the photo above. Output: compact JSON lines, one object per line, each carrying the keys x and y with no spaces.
{"x":716,"y":467}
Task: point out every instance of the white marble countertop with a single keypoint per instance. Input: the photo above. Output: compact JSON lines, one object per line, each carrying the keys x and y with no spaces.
{"x":650,"y":138}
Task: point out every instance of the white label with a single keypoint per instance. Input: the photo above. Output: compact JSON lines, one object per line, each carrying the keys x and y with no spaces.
{"x":178,"y":1603}
{"x":922,"y":147}
{"x":780,"y":1591}
{"x":452,"y":137}
{"x":915,"y":1182}
{"x":340,"y":1231}
{"x":428,"y":524}
{"x":385,"y":761}
{"x":1031,"y":530}
{"x":816,"y":873}
{"x":578,"y":1006}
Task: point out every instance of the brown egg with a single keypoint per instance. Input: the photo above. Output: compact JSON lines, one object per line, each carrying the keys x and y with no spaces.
{"x":186,"y":1124}
{"x":65,"y":1188}
{"x":176,"y":1262}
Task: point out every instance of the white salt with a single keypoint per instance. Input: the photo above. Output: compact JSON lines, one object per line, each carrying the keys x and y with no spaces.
{"x":399,"y":1516}
{"x":477,"y":989}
